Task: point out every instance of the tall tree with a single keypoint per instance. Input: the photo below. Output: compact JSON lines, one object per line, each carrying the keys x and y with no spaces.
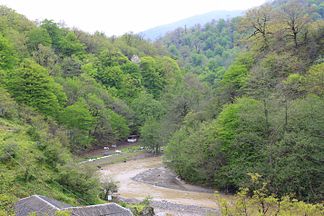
{"x":295,"y":19}
{"x":258,"y":20}
{"x":31,"y":84}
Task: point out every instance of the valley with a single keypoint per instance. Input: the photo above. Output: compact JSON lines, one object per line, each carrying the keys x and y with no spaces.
{"x":235,"y":103}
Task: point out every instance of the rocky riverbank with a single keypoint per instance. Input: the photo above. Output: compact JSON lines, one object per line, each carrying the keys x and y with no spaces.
{"x":164,"y":177}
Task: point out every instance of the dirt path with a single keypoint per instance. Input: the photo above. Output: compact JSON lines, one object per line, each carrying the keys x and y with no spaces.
{"x":124,"y":173}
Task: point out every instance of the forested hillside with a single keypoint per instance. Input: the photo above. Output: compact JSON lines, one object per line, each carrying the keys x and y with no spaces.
{"x":63,"y":91}
{"x":266,"y":70}
{"x":222,"y":101}
{"x":158,"y":32}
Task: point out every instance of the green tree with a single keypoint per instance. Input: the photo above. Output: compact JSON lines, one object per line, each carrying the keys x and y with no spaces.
{"x":78,"y":119}
{"x":7,"y":54}
{"x":46,"y":57}
{"x":71,"y":66}
{"x":83,"y":182}
{"x":153,"y":80}
{"x":188,"y":151}
{"x":240,"y":129}
{"x":259,"y":21}
{"x":36,"y":37}
{"x":77,"y":116}
{"x":315,"y":79}
{"x":150,"y":135}
{"x":296,"y":167}
{"x":31,"y":84}
{"x":235,"y":77}
{"x":8,"y":107}
{"x":145,"y":107}
{"x":54,"y":32}
{"x":295,"y":19}
{"x":70,"y":44}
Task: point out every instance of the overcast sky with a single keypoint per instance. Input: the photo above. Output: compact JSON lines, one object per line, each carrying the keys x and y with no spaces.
{"x":115,"y":17}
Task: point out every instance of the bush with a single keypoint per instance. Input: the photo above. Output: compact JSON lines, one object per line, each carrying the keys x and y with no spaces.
{"x":8,"y":151}
{"x":8,"y":107}
{"x":257,"y":200}
{"x":81,"y":183}
{"x":7,"y":204}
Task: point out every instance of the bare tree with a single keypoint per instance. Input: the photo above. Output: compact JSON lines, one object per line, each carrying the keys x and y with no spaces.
{"x":294,"y":17}
{"x":259,"y":20}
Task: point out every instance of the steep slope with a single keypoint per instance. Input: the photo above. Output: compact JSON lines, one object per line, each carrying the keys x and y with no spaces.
{"x":268,"y":101}
{"x":63,"y":91}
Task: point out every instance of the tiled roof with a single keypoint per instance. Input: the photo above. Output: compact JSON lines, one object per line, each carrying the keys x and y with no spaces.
{"x":34,"y":204}
{"x":100,"y":210}
{"x":46,"y":206}
{"x":56,"y":203}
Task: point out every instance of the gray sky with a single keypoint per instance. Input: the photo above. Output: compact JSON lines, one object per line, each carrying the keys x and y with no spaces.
{"x":115,"y":17}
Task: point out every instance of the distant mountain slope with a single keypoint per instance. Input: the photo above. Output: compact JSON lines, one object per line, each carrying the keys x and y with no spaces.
{"x":159,"y":31}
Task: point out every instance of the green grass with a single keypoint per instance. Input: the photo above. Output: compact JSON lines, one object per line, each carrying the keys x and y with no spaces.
{"x":115,"y":158}
{"x":24,"y":155}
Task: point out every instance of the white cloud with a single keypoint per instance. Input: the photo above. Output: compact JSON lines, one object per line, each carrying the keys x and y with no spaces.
{"x":120,"y":16}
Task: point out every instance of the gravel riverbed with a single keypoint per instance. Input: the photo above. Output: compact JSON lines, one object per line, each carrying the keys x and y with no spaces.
{"x":148,"y":177}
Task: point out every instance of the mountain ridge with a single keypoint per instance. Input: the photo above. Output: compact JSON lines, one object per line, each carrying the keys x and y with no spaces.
{"x":159,"y":31}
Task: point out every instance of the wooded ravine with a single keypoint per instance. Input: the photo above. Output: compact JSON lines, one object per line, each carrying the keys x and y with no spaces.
{"x":224,"y":102}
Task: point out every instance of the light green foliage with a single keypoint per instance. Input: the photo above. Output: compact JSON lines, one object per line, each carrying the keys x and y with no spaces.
{"x":83,"y":182}
{"x":188,"y":150}
{"x":8,"y":107}
{"x":109,"y":58}
{"x":111,"y":76}
{"x":228,"y":144}
{"x":78,"y":119}
{"x":89,"y":69}
{"x":31,"y":84}
{"x":36,"y":37}
{"x":259,"y":133}
{"x":235,"y":77}
{"x":111,"y":116}
{"x":315,"y":79}
{"x":77,"y":92}
{"x":69,"y":44}
{"x":30,"y":159}
{"x":118,"y":124}
{"x":115,"y":71}
{"x":7,"y":54}
{"x":54,"y":31}
{"x":170,"y":70}
{"x":261,"y":203}
{"x":220,"y":118}
{"x":153,"y":80}
{"x":138,"y":208}
{"x":77,"y":116}
{"x":6,"y":204}
{"x":11,"y":19}
{"x":145,"y":107}
{"x":151,"y":135}
{"x":63,"y":213}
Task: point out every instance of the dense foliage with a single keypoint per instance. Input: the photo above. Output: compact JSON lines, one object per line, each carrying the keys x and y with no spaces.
{"x":247,"y":98}
{"x":64,"y":91}
{"x":269,"y":105}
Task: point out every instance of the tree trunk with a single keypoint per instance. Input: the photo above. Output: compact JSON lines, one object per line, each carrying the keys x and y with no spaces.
{"x":286,"y":115}
{"x":266,"y":116}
